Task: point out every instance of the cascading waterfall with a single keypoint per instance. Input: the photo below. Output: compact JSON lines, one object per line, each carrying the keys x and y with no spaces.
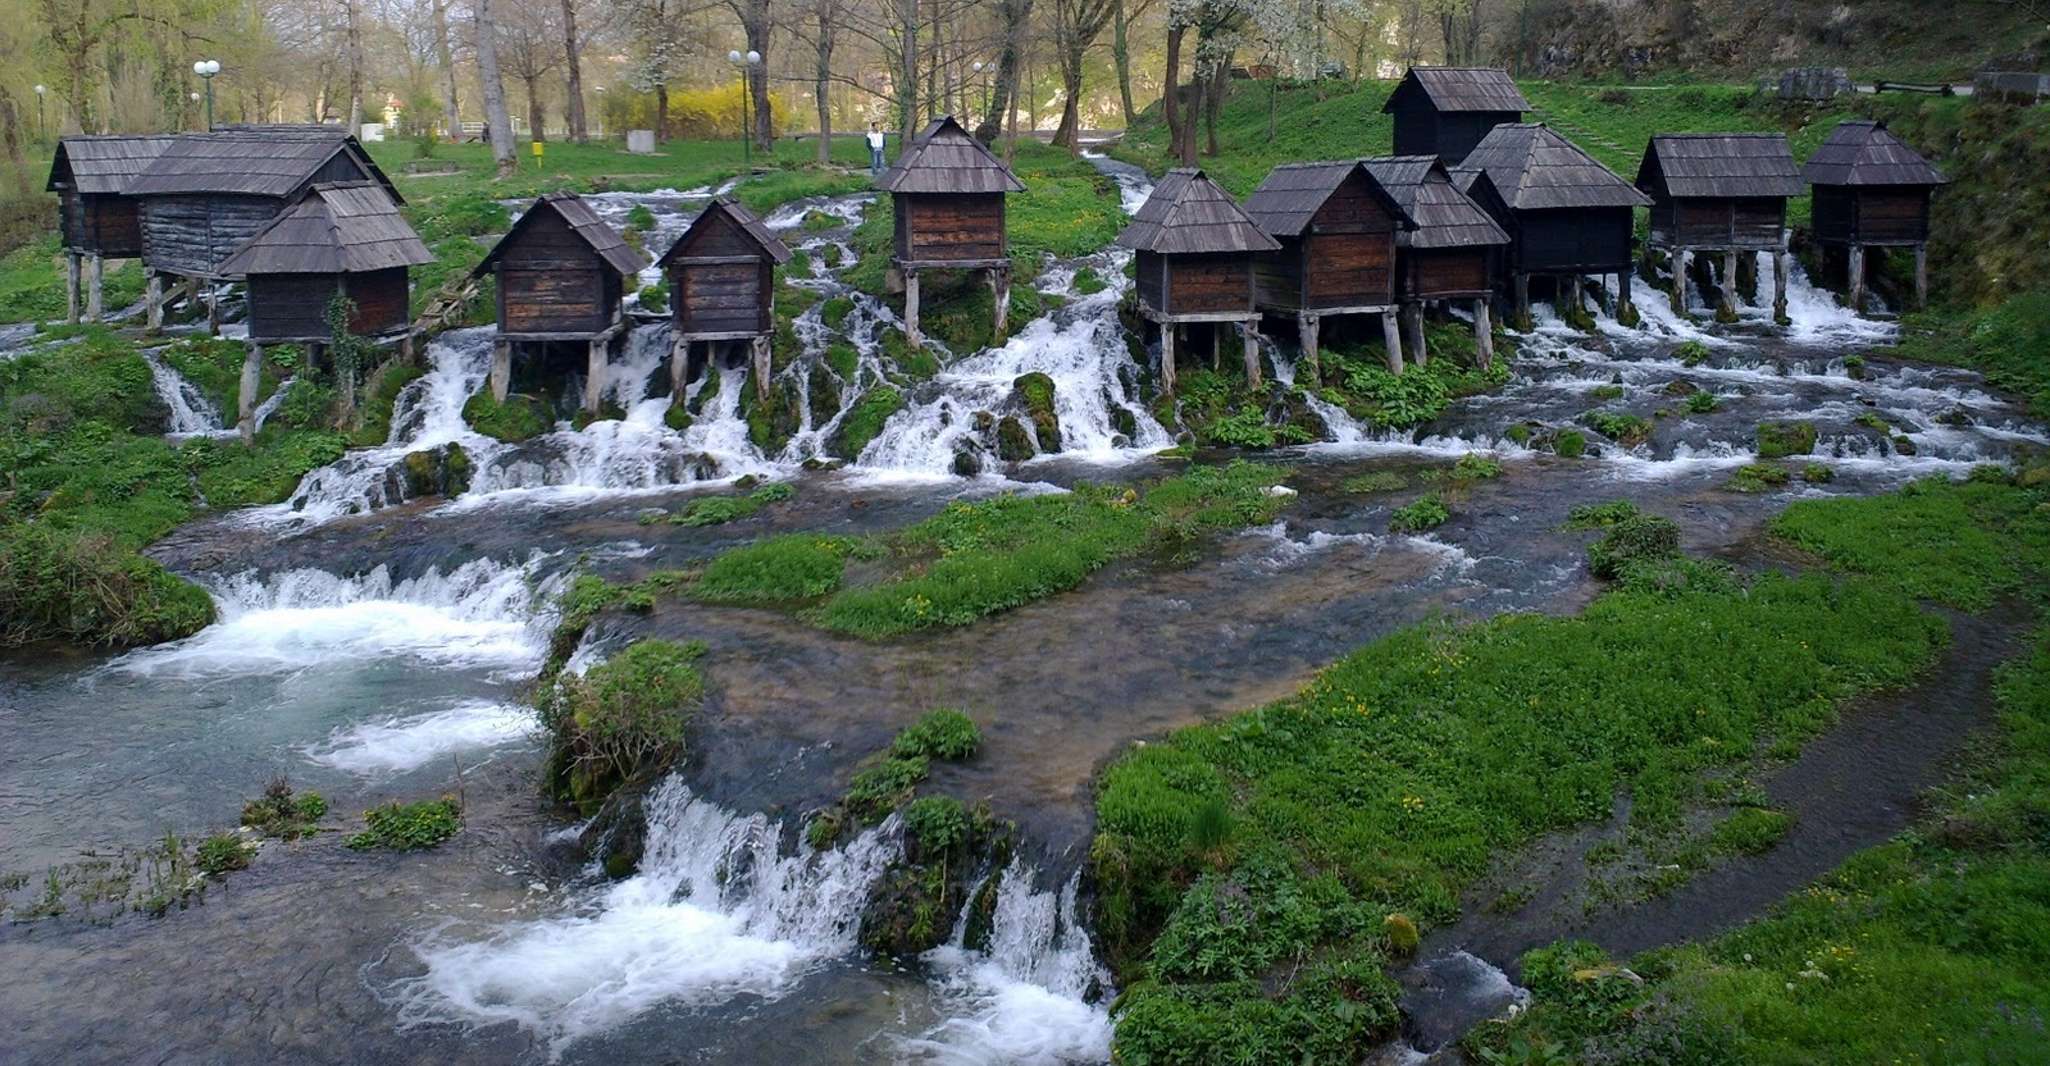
{"x":192,"y":414}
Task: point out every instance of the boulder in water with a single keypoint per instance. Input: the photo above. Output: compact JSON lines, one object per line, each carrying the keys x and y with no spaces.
{"x":520,"y":417}
{"x":444,"y":471}
{"x":967,"y":463}
{"x":1014,"y":441}
{"x":1036,"y":391}
{"x":1780,"y":439}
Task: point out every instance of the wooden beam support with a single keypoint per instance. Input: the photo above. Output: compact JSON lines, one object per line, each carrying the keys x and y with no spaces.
{"x":71,"y":288}
{"x":1391,"y":338}
{"x":1167,"y":358}
{"x":1306,"y":329}
{"x":1780,"y":264}
{"x":1726,"y":301}
{"x":762,"y":365}
{"x":1921,"y":277}
{"x":1857,"y":272}
{"x":1483,"y":334}
{"x":153,"y":302}
{"x":1000,"y":291}
{"x":595,"y":372}
{"x":1521,"y":284}
{"x":1679,"y":296}
{"x":911,"y":332}
{"x":1413,"y":332}
{"x":96,"y":279}
{"x":213,"y":309}
{"x":679,"y":369}
{"x":501,"y":369}
{"x":245,"y":408}
{"x":1249,"y":333}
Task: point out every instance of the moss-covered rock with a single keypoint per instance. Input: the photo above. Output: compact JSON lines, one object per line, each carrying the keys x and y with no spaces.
{"x":1036,"y":391}
{"x":444,"y":471}
{"x":520,"y":417}
{"x":1014,"y":442}
{"x":1777,"y":440}
{"x":824,"y":391}
{"x":865,"y":420}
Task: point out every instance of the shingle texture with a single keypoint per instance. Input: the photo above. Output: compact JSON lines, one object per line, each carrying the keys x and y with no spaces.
{"x":582,"y":221}
{"x":1864,"y":153}
{"x":336,"y":228}
{"x":1719,"y":166}
{"x":1293,"y":192}
{"x":1444,"y":216}
{"x":1462,"y":89}
{"x":747,"y":220}
{"x":946,"y":158}
{"x":1533,"y":168}
{"x":1188,"y":214}
{"x":250,"y":160}
{"x":102,"y":165}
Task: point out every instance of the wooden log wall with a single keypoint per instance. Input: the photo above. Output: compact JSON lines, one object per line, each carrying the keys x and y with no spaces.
{"x":1206,"y":284}
{"x":293,"y":307}
{"x":938,"y":227}
{"x":192,"y":234}
{"x":1699,"y":222}
{"x":1446,"y":273}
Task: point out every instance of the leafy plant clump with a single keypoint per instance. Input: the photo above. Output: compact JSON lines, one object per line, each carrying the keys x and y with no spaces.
{"x":412,"y":826}
{"x":889,"y":780}
{"x":1600,"y":515}
{"x":1777,"y":440}
{"x":1625,"y":429}
{"x":1758,"y":477}
{"x":1424,"y":513}
{"x":81,"y":586}
{"x":624,"y":718}
{"x":718,"y":510}
{"x":1376,"y":481}
{"x":1703,"y":402}
{"x":943,"y":733}
{"x":222,"y":853}
{"x":281,"y":813}
{"x":1637,"y":539}
{"x":519,"y":418}
{"x":1474,"y":466}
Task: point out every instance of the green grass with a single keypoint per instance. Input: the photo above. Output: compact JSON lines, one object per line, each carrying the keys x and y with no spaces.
{"x":1965,"y":545}
{"x":2006,"y":343}
{"x":1392,"y":780}
{"x":786,"y":569}
{"x":397,"y":826}
{"x":718,"y":510}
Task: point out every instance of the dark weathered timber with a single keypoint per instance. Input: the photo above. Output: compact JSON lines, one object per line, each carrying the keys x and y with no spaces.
{"x":948,"y":192}
{"x":292,"y":308}
{"x":1870,"y":188}
{"x":560,"y":272}
{"x":90,"y":175}
{"x":1195,"y":249}
{"x":345,"y":238}
{"x":722,"y":273}
{"x":1564,"y":212}
{"x":1446,"y":111}
{"x":1337,"y":229}
{"x":1718,"y":191}
{"x":1454,"y":248}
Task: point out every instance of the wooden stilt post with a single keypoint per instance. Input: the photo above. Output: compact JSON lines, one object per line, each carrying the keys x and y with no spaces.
{"x":1249,"y":334}
{"x":1391,"y":338}
{"x":71,"y":288}
{"x":1921,"y":276}
{"x":1576,"y":298}
{"x":1522,"y":286}
{"x":252,"y":371}
{"x":153,"y":302}
{"x":1680,"y":281}
{"x":1000,"y":291}
{"x":679,"y":368}
{"x":1747,"y":277}
{"x":409,"y":348}
{"x":1216,"y":346}
{"x":594,"y":373}
{"x":760,"y":347}
{"x":95,"y":281}
{"x":1726,"y":304}
{"x":1413,"y":332}
{"x":1167,"y":358}
{"x":213,"y":309}
{"x":1857,"y":279}
{"x":911,"y":332}
{"x":1306,"y":328}
{"x":1483,"y":334}
{"x":501,"y":369}
{"x":1779,"y":286}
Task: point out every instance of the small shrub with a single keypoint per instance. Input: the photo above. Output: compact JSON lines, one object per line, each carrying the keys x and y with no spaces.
{"x":1426,"y":512}
{"x":1378,"y":481}
{"x":1691,"y":353}
{"x":413,"y":826}
{"x":1817,"y":473}
{"x":1600,"y":515}
{"x":879,"y":789}
{"x":1757,"y":477}
{"x":626,"y":716}
{"x":1605,"y":393}
{"x":221,"y":853}
{"x":1641,"y":538}
{"x":1473,"y":466}
{"x":1777,"y":440}
{"x":1570,"y":444}
{"x":282,"y":814}
{"x":1702,"y":402}
{"x":1624,"y":429}
{"x":940,"y":734}
{"x":937,"y":824}
{"x":1401,"y":933}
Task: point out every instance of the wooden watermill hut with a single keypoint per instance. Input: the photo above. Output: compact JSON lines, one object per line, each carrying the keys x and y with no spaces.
{"x":722,"y":280}
{"x":947,"y":192}
{"x":1720,"y":192}
{"x":561,"y":277}
{"x":97,"y":219}
{"x":1336,"y":229}
{"x":1193,"y":249}
{"x":1446,"y":111}
{"x":341,"y":239}
{"x":1567,"y":215}
{"x":1871,"y":190}
{"x":206,"y":194}
{"x":1452,"y":253}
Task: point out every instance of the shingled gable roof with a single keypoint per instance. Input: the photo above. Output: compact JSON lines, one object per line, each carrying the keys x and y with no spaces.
{"x":1720,"y":165}
{"x":947,"y":158}
{"x":1461,"y":89}
{"x":347,"y":227}
{"x":101,"y":165}
{"x":1865,"y":153}
{"x":771,"y":245}
{"x":1189,"y":214}
{"x":1292,"y":193}
{"x":277,"y":161}
{"x":1533,"y":168}
{"x":1444,"y":216}
{"x":583,"y":222}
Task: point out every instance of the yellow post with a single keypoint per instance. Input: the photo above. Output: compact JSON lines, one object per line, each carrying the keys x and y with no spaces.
{"x":537,"y":154}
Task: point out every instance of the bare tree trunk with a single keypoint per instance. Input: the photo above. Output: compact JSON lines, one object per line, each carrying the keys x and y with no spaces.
{"x":662,"y":111}
{"x":907,"y":66}
{"x":497,"y":123}
{"x":755,"y":19}
{"x":1213,"y":102}
{"x":573,"y":106}
{"x":1121,"y":54}
{"x":450,"y":102}
{"x":10,"y":133}
{"x":355,"y":31}
{"x":1179,"y":144}
{"x":537,"y":117}
{"x":822,"y":79}
{"x":1068,"y":134}
{"x":1015,"y":14}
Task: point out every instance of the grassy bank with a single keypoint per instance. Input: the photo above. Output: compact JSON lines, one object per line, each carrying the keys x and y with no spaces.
{"x":1255,"y":873}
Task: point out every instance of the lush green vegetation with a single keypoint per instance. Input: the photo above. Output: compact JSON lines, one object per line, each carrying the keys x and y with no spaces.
{"x":281,"y":813}
{"x":1295,"y":830}
{"x":623,"y":719}
{"x":415,"y":826}
{"x":887,"y":781}
{"x":1423,"y":513}
{"x":719,"y":510}
{"x":2006,"y":343}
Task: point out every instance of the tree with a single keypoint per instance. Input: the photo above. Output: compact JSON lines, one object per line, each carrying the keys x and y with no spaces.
{"x":573,"y":106}
{"x":1121,"y":19}
{"x":1076,"y":24}
{"x":1459,"y":23}
{"x":528,"y":50}
{"x":352,"y":17}
{"x":756,"y":22}
{"x":450,"y":102}
{"x":498,"y":125}
{"x":1015,"y":17}
{"x":825,"y":16}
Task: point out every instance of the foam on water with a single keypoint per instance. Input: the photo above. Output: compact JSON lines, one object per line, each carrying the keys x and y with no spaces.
{"x":481,"y":613}
{"x":397,"y":744}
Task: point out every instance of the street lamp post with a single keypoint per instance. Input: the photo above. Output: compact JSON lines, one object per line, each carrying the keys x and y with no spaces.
{"x":743,"y":63}
{"x":981,"y":83}
{"x":42,"y":133}
{"x":206,"y":69}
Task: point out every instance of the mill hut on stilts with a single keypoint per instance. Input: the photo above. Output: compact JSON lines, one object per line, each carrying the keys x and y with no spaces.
{"x":206,"y":194}
{"x":1871,"y":191}
{"x":1335,"y":229}
{"x":1193,"y":249}
{"x":561,"y":275}
{"x":1453,"y":253}
{"x":97,"y":219}
{"x":947,"y":192}
{"x":342,"y":239}
{"x":1446,"y":111}
{"x":722,"y":279}
{"x":1567,"y":215}
{"x":1721,"y":193}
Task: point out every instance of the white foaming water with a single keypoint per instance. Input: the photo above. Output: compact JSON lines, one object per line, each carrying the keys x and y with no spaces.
{"x":397,"y":744}
{"x":483,"y":613}
{"x":1027,"y":1000}
{"x":716,"y":911}
{"x":192,"y":414}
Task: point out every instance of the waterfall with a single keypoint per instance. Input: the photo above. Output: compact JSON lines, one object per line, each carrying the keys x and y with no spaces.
{"x":482,"y":613}
{"x":395,"y":744}
{"x":192,"y":414}
{"x":716,"y":911}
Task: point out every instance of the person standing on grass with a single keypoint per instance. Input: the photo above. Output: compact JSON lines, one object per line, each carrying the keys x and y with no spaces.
{"x":875,"y":148}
